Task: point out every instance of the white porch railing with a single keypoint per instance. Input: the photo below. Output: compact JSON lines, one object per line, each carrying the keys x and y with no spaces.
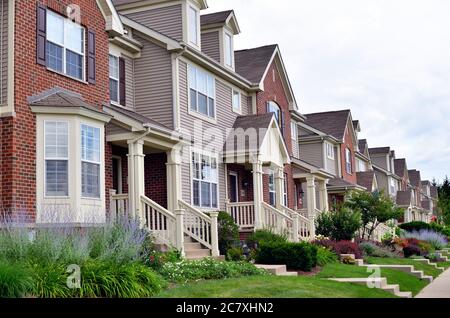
{"x":303,"y":224}
{"x":159,"y":221}
{"x":303,"y":212}
{"x":276,"y":220}
{"x":118,"y":205}
{"x":201,"y":227}
{"x":243,"y":214}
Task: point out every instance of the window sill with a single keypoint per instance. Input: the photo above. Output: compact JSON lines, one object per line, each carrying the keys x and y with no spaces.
{"x":237,"y":111}
{"x":68,"y":76}
{"x":90,"y":199}
{"x":201,"y":116}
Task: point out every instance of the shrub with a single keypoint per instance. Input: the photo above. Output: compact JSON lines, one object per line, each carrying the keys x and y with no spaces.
{"x":371,"y":249}
{"x":348,"y":260}
{"x":412,"y":250}
{"x":208,"y":268}
{"x":156,"y":259}
{"x":341,"y":224}
{"x":265,"y":236}
{"x":436,"y":240}
{"x":235,"y":254}
{"x":415,"y":226}
{"x":228,"y":232}
{"x":342,"y":247}
{"x":325,"y":256}
{"x":297,"y":256}
{"x":15,"y":280}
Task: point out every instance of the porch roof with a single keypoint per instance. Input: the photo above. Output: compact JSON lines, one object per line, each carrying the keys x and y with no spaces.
{"x":338,"y":184}
{"x":309,"y":168}
{"x":365,"y":179}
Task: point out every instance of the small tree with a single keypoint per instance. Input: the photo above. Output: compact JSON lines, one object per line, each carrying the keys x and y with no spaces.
{"x":228,"y":232}
{"x":444,"y":201}
{"x":339,"y":225}
{"x":375,"y":208}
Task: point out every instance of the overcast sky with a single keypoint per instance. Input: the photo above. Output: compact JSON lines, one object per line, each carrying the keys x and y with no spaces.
{"x":386,"y":60}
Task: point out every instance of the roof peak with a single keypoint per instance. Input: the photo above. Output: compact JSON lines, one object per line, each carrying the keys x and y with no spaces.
{"x":259,"y":47}
{"x":329,"y":112}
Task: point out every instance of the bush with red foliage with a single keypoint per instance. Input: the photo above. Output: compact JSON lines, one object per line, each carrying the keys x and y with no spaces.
{"x":342,"y":247}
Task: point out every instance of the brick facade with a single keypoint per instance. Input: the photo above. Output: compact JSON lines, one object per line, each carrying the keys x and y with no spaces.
{"x":274,"y":91}
{"x":156,"y":178}
{"x":348,"y":143}
{"x":19,"y":132}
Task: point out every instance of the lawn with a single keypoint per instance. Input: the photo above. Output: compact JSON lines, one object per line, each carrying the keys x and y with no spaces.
{"x":407,"y":282}
{"x":427,"y":269}
{"x":273,"y":287}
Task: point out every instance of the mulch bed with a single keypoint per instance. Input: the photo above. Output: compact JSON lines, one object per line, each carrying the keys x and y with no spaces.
{"x":313,"y":272}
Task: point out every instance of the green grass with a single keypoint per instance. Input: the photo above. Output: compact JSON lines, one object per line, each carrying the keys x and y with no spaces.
{"x":444,"y":264}
{"x":273,"y":287}
{"x":407,"y":282}
{"x":427,"y":269}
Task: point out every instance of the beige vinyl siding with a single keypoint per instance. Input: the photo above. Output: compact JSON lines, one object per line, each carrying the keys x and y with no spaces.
{"x":332,"y":164}
{"x":312,"y":153}
{"x":211,"y":44}
{"x":153,"y":96}
{"x":166,"y":20}
{"x":129,"y":82}
{"x":3,"y":51}
{"x":112,"y":129}
{"x":225,"y":119}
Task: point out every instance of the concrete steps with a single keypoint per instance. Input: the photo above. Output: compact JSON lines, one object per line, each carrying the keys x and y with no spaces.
{"x":404,"y":268}
{"x":194,"y":250}
{"x":380,"y":283}
{"x":427,"y":261}
{"x":277,"y":270}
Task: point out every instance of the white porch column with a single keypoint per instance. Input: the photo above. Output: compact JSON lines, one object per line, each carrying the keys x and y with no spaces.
{"x":258,"y":193}
{"x":323,"y":195}
{"x":311,"y":195}
{"x":279,"y":188}
{"x":136,"y":172}
{"x":174,"y":192}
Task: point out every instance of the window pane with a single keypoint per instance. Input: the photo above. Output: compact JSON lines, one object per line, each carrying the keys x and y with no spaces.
{"x":206,"y":168}
{"x":90,"y":180}
{"x":202,"y":104}
{"x":56,"y":140}
{"x":56,"y":178}
{"x":236,"y":100}
{"x":193,"y":100}
{"x":202,"y":82}
{"x":211,"y":86}
{"x":212,"y":108}
{"x":193,"y":25}
{"x":196,"y":165}
{"x":114,"y":90}
{"x":90,"y":143}
{"x":206,"y":194}
{"x":74,"y":64}
{"x":55,"y":28}
{"x":214,"y":195}
{"x":196,"y":193}
{"x":54,"y":57}
{"x":228,"y":50}
{"x":74,"y":37}
{"x":114,"y":67}
{"x":192,"y":77}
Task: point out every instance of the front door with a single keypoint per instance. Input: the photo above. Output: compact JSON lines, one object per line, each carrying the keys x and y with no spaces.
{"x":234,"y":188}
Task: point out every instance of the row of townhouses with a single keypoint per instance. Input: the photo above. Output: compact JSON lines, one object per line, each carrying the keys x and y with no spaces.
{"x":144,"y":108}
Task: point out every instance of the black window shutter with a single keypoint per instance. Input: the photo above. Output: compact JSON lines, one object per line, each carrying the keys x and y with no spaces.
{"x":283,"y":121}
{"x":122,"y":92}
{"x":41,"y":34}
{"x":91,"y":57}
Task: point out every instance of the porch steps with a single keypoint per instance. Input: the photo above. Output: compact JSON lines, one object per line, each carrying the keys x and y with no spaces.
{"x":194,"y":250}
{"x":277,"y":270}
{"x":404,"y":268}
{"x":427,"y":261}
{"x":380,"y":283}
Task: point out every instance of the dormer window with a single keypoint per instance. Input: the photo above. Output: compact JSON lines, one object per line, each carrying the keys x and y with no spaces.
{"x":228,"y":49}
{"x":194,"y":25}
{"x":65,"y":46}
{"x":330,"y":151}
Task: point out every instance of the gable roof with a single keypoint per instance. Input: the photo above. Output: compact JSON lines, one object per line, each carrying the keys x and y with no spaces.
{"x":365,"y":179}
{"x":400,"y":167}
{"x":403,"y":198}
{"x":434,"y":192}
{"x":414,"y":178}
{"x":379,"y":150}
{"x":252,"y":63}
{"x":333,"y":123}
{"x":218,"y":19}
{"x":138,"y":117}
{"x":341,"y":184}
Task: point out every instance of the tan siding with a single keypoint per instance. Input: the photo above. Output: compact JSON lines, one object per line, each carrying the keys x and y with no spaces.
{"x":3,"y":50}
{"x":295,"y":148}
{"x":153,"y":83}
{"x":112,"y":129}
{"x":129,"y":81}
{"x":312,"y":153}
{"x":225,"y":119}
{"x":166,"y":20}
{"x":331,"y":164}
{"x":211,"y":44}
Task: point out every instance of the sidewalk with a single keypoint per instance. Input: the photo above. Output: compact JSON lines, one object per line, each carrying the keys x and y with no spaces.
{"x":439,"y":288}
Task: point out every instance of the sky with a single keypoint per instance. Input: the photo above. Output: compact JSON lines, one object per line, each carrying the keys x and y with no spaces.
{"x":386,"y":60}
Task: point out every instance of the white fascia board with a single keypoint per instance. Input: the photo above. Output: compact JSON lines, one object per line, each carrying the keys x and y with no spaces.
{"x":112,"y":19}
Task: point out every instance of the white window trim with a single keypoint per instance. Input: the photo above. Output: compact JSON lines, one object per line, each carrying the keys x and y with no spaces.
{"x":195,"y":113}
{"x":64,"y":48}
{"x":348,"y":161}
{"x":117,"y":103}
{"x":231,"y":49}
{"x":236,"y":110}
{"x":188,"y":13}
{"x":330,"y":151}
{"x":56,"y":159}
{"x":235,"y":174}
{"x":192,"y":179}
{"x":274,"y":191}
{"x":99,"y":163}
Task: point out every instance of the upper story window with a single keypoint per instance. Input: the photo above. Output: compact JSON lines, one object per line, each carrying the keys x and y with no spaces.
{"x":272,"y":189}
{"x":90,"y":161}
{"x":205,"y":178}
{"x":114,"y":78}
{"x":348,"y":161}
{"x":229,"y":49}
{"x":274,"y":108}
{"x":65,"y":46}
{"x":56,"y":159}
{"x":237,"y":101}
{"x":202,"y":92}
{"x":330,"y":151}
{"x":194,"y":17}
{"x":362,"y":166}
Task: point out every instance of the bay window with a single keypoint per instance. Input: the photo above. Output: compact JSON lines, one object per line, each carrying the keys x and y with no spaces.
{"x":65,"y":46}
{"x":114,"y":78}
{"x":56,"y":159}
{"x":202,"y":92}
{"x":90,"y":161}
{"x":204,"y":180}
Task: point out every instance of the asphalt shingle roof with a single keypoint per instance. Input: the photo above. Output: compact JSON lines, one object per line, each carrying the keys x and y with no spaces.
{"x":380,"y":150}
{"x":414,"y":178}
{"x":252,"y":63}
{"x":215,"y":18}
{"x":400,"y":167}
{"x":365,"y":179}
{"x":331,"y":123}
{"x":138,"y":117}
{"x":403,"y":198}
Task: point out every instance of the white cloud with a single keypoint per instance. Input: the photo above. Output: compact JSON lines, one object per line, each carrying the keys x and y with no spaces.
{"x":388,"y":61}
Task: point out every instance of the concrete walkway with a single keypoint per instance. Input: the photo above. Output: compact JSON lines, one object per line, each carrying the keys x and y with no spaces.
{"x":439,"y":288}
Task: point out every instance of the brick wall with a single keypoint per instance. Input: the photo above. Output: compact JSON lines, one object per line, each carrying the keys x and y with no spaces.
{"x":274,"y":91}
{"x":156,"y":178}
{"x":19,"y":134}
{"x":245,"y":194}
